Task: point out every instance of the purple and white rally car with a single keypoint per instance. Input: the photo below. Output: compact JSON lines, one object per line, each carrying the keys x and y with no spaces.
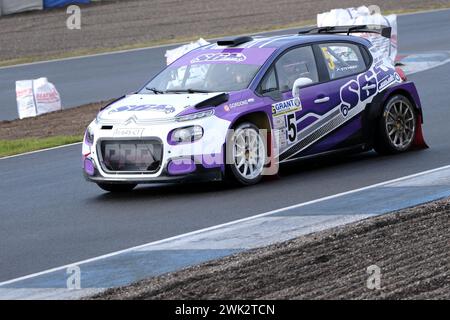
{"x":239,"y":107}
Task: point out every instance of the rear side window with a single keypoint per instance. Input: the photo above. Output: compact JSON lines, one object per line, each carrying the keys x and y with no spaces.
{"x":342,"y":59}
{"x":294,"y":64}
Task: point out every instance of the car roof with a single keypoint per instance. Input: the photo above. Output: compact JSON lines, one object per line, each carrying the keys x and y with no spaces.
{"x":289,"y":40}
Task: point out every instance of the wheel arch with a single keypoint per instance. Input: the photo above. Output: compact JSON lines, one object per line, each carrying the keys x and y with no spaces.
{"x":407,"y":94}
{"x":374,"y":111}
{"x":258,"y":118}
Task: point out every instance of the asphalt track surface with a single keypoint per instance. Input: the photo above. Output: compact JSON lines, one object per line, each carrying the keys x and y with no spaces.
{"x":103,"y":77}
{"x":50,"y":216}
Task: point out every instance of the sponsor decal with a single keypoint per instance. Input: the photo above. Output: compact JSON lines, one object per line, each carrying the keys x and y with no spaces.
{"x":24,"y":92}
{"x":286,"y":106}
{"x":220,"y":57}
{"x":348,"y":68}
{"x":128,"y":132}
{"x":241,"y":103}
{"x":384,"y":83}
{"x":353,"y":95}
{"x":365,"y":86}
{"x":47,"y":97}
{"x":328,"y":58}
{"x":166,"y":108}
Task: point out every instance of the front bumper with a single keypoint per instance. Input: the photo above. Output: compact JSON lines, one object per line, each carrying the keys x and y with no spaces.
{"x":200,"y":175}
{"x":205,"y":155}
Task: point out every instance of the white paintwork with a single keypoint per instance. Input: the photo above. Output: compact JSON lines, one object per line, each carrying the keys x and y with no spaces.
{"x":300,"y":82}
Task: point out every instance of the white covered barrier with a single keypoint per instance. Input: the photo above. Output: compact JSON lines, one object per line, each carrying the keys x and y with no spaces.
{"x":174,"y":54}
{"x":363,"y":16}
{"x":16,"y":6}
{"x":35,"y":97}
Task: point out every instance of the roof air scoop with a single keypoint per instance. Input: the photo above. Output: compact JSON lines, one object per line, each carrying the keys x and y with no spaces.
{"x":234,"y":42}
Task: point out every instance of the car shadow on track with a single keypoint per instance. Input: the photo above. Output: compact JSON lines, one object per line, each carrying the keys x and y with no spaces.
{"x":287,"y":173}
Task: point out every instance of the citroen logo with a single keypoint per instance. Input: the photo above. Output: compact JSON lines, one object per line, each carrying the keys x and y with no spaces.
{"x":130,"y":120}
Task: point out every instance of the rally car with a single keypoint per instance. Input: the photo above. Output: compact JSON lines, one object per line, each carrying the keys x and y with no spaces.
{"x":239,"y":107}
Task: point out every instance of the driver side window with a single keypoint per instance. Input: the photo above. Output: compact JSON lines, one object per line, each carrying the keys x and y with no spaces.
{"x":269,"y":82}
{"x":294,"y":64}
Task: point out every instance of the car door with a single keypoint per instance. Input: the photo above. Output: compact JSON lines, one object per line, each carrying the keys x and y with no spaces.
{"x":296,"y":119}
{"x":339,"y":99}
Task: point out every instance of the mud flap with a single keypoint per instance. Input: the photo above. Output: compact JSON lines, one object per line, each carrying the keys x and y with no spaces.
{"x":419,"y":140}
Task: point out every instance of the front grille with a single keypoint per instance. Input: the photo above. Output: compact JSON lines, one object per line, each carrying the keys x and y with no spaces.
{"x":130,"y":156}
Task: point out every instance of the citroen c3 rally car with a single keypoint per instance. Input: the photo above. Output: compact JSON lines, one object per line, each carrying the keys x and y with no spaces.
{"x":240,"y":106}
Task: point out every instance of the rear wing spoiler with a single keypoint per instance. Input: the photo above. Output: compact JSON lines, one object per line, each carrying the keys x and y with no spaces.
{"x":365,"y":28}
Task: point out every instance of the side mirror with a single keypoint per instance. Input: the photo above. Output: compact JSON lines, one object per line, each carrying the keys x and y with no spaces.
{"x":300,"y":82}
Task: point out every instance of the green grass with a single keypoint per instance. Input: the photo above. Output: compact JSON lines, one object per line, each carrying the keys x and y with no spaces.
{"x":12,"y":147}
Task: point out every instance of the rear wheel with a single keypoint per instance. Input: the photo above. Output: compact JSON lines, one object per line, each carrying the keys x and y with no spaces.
{"x":111,"y":187}
{"x":397,"y":126}
{"x":247,"y":154}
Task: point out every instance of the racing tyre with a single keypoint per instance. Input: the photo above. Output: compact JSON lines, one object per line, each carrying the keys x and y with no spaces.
{"x":397,"y":126}
{"x":247,"y":154}
{"x":116,"y":187}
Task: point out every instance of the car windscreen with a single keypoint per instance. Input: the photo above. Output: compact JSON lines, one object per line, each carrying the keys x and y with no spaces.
{"x":203,"y":77}
{"x":210,"y":71}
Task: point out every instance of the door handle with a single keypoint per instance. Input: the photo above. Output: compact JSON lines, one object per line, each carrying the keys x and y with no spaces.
{"x":322,"y":100}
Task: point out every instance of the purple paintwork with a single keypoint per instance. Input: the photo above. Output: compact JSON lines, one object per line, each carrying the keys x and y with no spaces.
{"x":408,"y":87}
{"x":331,"y":141}
{"x":304,"y":123}
{"x":181,"y":166}
{"x":233,"y":108}
{"x":254,"y":56}
{"x":89,"y":167}
{"x":209,"y":161}
{"x":166,"y":108}
{"x":86,"y":141}
{"x":327,"y":123}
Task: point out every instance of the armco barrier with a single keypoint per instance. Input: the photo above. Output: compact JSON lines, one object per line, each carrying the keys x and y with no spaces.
{"x":49,"y":4}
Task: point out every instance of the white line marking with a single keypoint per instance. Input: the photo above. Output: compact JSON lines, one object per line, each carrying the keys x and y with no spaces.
{"x":223,"y":225}
{"x":181,"y":43}
{"x":422,"y":11}
{"x":429,"y":68}
{"x":42,"y":150}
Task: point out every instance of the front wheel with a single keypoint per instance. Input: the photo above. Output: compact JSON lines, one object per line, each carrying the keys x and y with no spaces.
{"x":111,"y":187}
{"x":247,"y":154}
{"x":397,"y":126}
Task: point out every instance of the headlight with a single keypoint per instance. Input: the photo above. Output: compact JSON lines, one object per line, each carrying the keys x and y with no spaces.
{"x":89,"y":135}
{"x":196,"y":115}
{"x":185,"y":135}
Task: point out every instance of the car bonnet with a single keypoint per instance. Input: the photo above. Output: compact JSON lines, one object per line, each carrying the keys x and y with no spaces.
{"x":151,"y":106}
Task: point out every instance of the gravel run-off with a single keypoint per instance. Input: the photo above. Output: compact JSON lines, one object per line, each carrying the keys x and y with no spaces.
{"x":411,"y":247}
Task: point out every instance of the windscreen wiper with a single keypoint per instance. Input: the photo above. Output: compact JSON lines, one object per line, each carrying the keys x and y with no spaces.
{"x":189,"y":90}
{"x":155,"y":91}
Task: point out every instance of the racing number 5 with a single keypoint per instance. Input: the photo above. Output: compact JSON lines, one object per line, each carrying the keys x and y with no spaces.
{"x":292,"y":127}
